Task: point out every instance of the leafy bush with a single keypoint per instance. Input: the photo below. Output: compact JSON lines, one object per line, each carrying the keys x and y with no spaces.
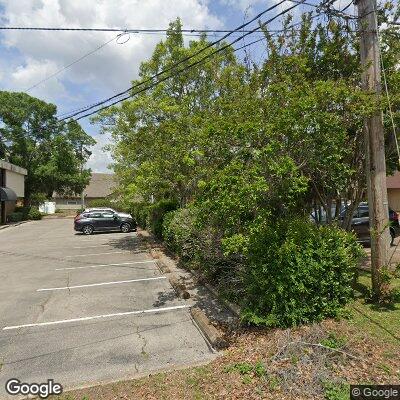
{"x":37,"y":199}
{"x":100,"y":203}
{"x":298,"y":272}
{"x":140,"y":213}
{"x":156,"y":214}
{"x":180,"y":233}
{"x":34,"y":214}
{"x":16,"y":216}
{"x":199,"y":247}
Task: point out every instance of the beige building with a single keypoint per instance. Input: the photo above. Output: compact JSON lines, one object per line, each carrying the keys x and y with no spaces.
{"x":100,"y":186}
{"x":12,"y":188}
{"x":393,"y":191}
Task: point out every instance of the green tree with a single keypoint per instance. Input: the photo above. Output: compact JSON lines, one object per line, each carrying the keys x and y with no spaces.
{"x":253,"y":145}
{"x":52,"y":152}
{"x":159,"y":142}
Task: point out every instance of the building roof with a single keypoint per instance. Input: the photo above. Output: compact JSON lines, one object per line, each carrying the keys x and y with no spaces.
{"x":393,"y":181}
{"x":11,"y":167}
{"x":100,"y":185}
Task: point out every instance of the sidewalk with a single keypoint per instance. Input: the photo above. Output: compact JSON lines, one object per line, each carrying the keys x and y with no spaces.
{"x":394,"y":255}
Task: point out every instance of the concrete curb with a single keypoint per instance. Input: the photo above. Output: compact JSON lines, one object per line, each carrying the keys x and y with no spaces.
{"x":213,"y":335}
{"x":13,"y":225}
{"x":166,"y":264}
{"x":232,"y":307}
{"x":58,"y":216}
{"x":179,"y":287}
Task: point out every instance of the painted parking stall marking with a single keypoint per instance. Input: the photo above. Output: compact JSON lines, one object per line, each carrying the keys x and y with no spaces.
{"x":97,"y":254}
{"x":121,"y":314}
{"x":105,"y":265}
{"x":91,"y":315}
{"x":102,"y":284}
{"x":92,"y":247}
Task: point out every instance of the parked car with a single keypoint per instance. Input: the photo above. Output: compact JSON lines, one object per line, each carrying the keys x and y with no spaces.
{"x":101,"y":209}
{"x":360,"y":223}
{"x":107,"y":209}
{"x":96,"y":221}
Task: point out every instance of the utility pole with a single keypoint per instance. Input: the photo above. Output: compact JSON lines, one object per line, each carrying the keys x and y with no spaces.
{"x":374,"y":146}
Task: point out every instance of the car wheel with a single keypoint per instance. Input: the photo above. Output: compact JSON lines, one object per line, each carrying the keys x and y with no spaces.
{"x":87,"y":229}
{"x":125,"y":228}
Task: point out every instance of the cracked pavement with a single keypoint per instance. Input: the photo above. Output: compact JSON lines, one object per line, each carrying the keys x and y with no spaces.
{"x":78,"y":350}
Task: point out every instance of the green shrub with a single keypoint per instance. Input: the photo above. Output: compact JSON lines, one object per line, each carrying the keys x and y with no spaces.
{"x":298,"y":272}
{"x":15,"y":216}
{"x":140,"y":213}
{"x":34,"y":214}
{"x":156,"y":214}
{"x":95,"y":203}
{"x":180,"y":233}
{"x":199,"y":247}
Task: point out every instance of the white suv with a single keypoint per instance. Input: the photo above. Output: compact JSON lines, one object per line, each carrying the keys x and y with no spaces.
{"x":125,"y":215}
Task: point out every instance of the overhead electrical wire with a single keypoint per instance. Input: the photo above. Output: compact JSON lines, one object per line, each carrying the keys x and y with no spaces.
{"x":272,"y":31}
{"x":125,"y":30}
{"x":71,"y":64}
{"x":218,"y":50}
{"x":386,"y":87}
{"x":239,"y":29}
{"x":148,"y":80}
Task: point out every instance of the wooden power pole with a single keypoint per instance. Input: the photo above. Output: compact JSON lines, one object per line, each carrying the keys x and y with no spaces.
{"x":374,"y":146}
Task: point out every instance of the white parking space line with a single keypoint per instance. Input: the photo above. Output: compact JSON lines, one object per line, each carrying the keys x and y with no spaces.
{"x":105,"y":265}
{"x":91,"y":247}
{"x":102,"y":284}
{"x":97,"y":254}
{"x":121,"y":314}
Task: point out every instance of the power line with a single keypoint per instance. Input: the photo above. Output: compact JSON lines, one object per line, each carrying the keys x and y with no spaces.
{"x":275,"y":32}
{"x":176,"y":73}
{"x":211,"y":44}
{"x":80,"y":110}
{"x":22,"y":28}
{"x":72,"y":63}
{"x":386,"y":87}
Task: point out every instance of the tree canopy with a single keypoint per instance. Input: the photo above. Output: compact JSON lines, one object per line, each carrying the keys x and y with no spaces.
{"x":52,"y":152}
{"x":293,"y":121}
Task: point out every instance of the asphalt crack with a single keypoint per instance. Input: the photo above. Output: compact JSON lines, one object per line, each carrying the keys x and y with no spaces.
{"x":143,"y":352}
{"x":68,"y":283}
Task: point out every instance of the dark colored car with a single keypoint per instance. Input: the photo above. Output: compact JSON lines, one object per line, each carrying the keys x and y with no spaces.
{"x":360,"y":223}
{"x":103,"y":221}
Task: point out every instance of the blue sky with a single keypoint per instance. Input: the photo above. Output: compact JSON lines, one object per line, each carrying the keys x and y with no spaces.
{"x":28,"y":57}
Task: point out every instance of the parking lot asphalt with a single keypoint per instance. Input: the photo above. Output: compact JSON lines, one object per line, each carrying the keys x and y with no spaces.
{"x":87,"y":309}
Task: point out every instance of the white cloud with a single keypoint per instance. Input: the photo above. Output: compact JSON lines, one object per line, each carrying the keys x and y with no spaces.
{"x":113,"y":66}
{"x":243,"y":5}
{"x":248,"y":7}
{"x":38,"y":54}
{"x":33,"y":71}
{"x":100,"y":159}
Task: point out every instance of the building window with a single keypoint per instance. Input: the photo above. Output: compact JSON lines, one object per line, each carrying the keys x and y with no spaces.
{"x":72,"y":202}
